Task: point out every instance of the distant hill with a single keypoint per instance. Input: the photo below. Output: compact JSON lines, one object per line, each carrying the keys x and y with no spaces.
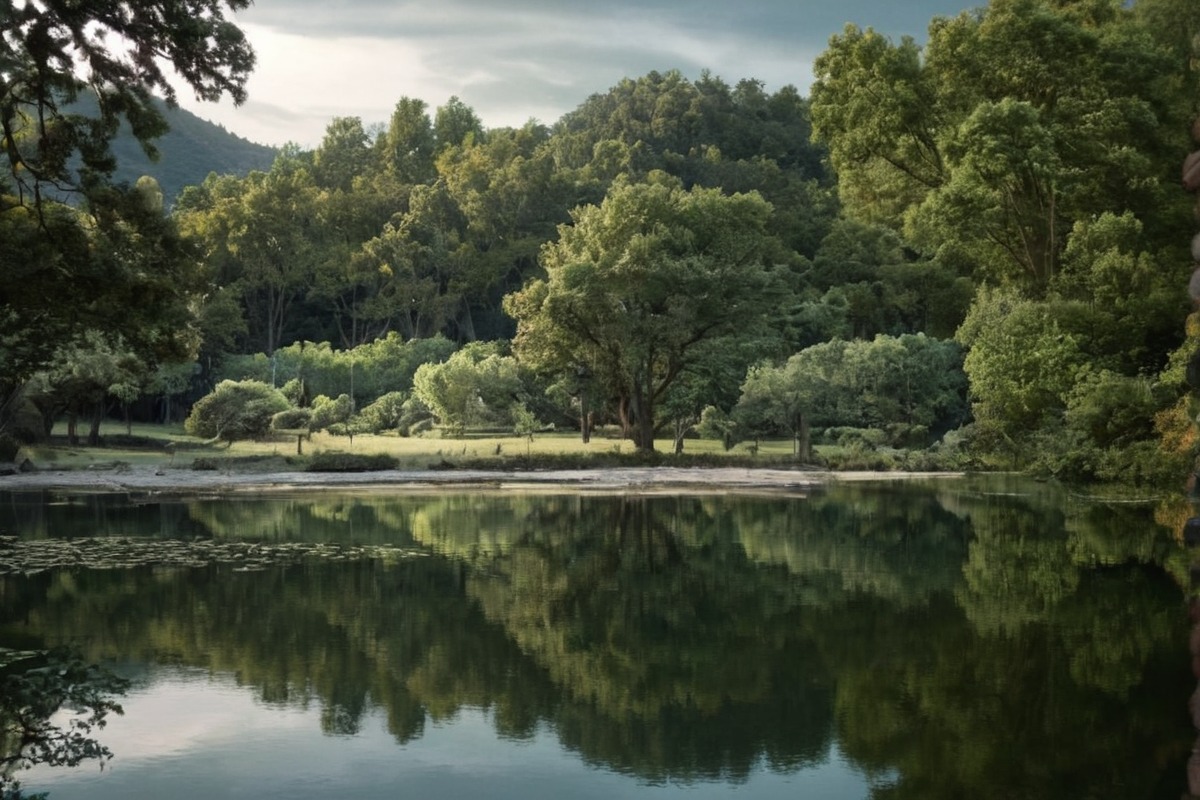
{"x":192,"y":148}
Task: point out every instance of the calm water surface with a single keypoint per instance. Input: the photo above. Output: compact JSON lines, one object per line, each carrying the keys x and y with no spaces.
{"x":941,"y":639}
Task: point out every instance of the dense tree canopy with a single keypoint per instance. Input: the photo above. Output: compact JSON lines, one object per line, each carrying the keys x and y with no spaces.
{"x":639,"y":283}
{"x":1012,"y":184}
{"x":1034,"y":146}
{"x":111,"y":264}
{"x":1011,"y":125}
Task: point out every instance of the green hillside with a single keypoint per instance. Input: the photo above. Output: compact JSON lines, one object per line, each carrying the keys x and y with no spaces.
{"x":192,"y":149}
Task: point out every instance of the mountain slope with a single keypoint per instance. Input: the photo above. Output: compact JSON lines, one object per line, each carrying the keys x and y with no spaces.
{"x":188,"y":152}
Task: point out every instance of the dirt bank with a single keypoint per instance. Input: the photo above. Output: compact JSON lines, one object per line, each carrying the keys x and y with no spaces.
{"x":188,"y":481}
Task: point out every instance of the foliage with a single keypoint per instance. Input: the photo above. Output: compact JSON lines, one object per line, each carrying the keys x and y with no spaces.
{"x":114,"y":264}
{"x":55,"y":50}
{"x":1011,"y":126}
{"x":653,"y":244}
{"x":292,"y":419}
{"x":640,"y":285}
{"x":901,"y":388}
{"x":327,"y":412}
{"x":386,"y":413}
{"x":375,"y":369}
{"x":236,"y":410}
{"x":477,"y":386}
{"x":1036,"y":146}
{"x":33,"y":692}
{"x":1021,"y":362}
{"x":126,"y":256}
{"x":331,"y":461}
{"x":423,"y":226}
{"x":81,"y":378}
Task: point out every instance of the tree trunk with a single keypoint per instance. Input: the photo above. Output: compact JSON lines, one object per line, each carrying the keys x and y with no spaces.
{"x":643,"y":418}
{"x":584,"y":427}
{"x":623,"y":418}
{"x":803,"y":440}
{"x":93,"y":438}
{"x":682,"y":425}
{"x":72,"y":430}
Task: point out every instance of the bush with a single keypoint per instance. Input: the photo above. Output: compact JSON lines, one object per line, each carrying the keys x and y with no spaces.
{"x":380,"y":366}
{"x":293,"y":419}
{"x":900,"y":434}
{"x":856,"y":438}
{"x":332,"y":461}
{"x":236,"y":410}
{"x":327,"y":412}
{"x":26,"y":423}
{"x":384,"y":414}
{"x":415,"y":417}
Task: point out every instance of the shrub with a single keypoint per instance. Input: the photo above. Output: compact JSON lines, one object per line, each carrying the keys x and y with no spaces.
{"x":415,"y":417}
{"x":236,"y":410}
{"x":333,"y":461}
{"x":293,"y":419}
{"x":857,"y":438}
{"x":327,"y":412}
{"x":384,"y":414}
{"x":900,"y":434}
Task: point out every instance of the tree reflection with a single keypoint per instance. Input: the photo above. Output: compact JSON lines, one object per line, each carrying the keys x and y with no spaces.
{"x":34,"y":687}
{"x":950,"y":644}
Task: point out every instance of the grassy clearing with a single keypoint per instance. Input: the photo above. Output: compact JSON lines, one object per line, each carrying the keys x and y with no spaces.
{"x":168,"y":446}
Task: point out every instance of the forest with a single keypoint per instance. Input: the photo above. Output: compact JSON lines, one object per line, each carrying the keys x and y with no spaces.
{"x":976,"y":247}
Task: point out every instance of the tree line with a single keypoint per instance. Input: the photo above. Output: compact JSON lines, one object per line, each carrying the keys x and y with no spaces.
{"x":991,"y":222}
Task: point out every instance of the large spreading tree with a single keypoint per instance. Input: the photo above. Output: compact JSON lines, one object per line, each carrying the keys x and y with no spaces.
{"x":640,"y":286}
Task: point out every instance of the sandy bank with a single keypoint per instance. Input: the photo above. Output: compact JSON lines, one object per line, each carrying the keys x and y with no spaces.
{"x":188,"y":481}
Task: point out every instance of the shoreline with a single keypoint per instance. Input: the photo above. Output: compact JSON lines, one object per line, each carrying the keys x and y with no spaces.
{"x":185,"y":481}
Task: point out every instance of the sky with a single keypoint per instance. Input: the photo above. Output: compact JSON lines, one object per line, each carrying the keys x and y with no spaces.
{"x":516,"y":60}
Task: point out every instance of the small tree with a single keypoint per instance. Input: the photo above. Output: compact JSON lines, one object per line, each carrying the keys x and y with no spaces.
{"x":327,"y":412}
{"x":383,"y":414}
{"x":476,"y":386}
{"x":295,"y":422}
{"x":236,"y":410}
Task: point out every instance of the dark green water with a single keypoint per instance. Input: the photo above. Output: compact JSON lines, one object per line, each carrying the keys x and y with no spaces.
{"x":892,"y":640}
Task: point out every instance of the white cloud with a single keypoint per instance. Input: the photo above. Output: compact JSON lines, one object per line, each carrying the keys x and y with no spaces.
{"x":513,"y":61}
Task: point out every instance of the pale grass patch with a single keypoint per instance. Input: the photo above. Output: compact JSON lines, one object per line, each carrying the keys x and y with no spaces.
{"x":414,"y":451}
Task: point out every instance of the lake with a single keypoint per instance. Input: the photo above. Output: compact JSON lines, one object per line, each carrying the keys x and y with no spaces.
{"x":945,"y":638}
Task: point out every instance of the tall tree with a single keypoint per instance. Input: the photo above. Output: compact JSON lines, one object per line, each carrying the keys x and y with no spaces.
{"x":408,"y":144}
{"x":454,"y":122}
{"x":344,"y":154}
{"x":1015,"y":122}
{"x":640,"y":283}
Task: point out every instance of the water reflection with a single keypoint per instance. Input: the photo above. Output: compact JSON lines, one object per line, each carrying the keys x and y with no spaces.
{"x":946,"y":640}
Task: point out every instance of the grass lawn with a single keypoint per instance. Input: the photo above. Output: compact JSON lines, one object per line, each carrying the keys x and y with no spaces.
{"x":169,"y":446}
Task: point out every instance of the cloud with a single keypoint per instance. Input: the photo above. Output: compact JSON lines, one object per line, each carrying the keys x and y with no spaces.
{"x":319,"y":59}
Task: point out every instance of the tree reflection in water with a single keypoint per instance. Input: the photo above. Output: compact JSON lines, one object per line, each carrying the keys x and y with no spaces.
{"x":949,"y":643}
{"x":34,"y":688}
